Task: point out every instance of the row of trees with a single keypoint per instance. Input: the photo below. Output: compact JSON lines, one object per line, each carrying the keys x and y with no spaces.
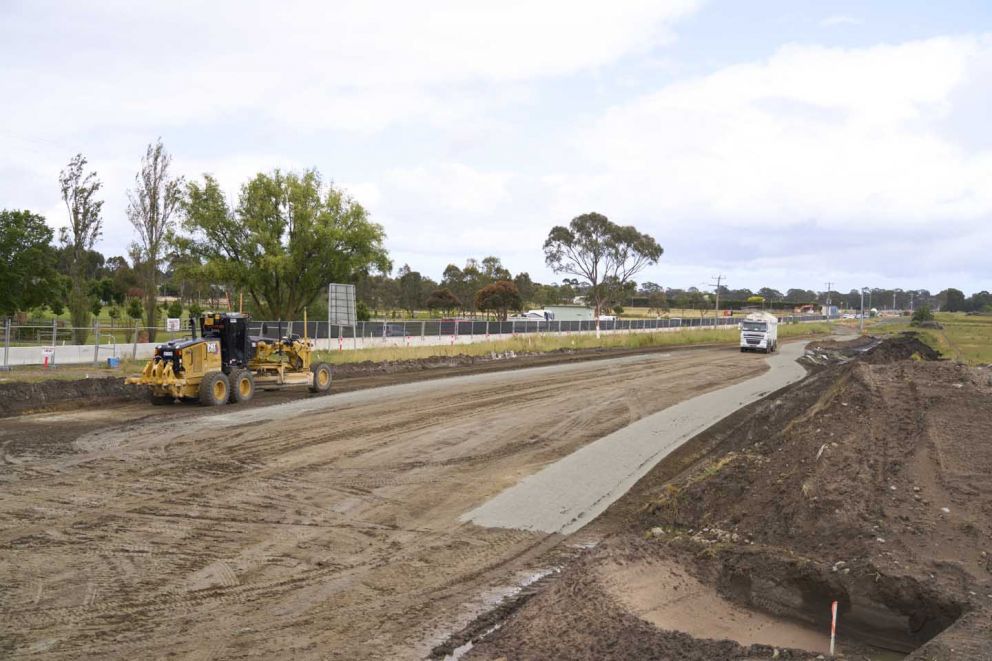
{"x":283,"y":236}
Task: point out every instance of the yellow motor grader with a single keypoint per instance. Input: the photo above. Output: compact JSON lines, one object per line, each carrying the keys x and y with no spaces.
{"x":225,"y":363}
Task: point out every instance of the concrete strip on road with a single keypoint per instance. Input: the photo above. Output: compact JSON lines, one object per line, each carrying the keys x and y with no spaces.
{"x":568,"y":494}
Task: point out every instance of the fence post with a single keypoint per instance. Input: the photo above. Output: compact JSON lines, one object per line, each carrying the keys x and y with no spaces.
{"x":96,"y":342}
{"x":134,"y":346}
{"x":6,"y":343}
{"x":423,"y":325}
{"x":55,"y":331}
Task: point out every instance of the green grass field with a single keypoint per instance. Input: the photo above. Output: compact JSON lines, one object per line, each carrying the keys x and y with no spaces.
{"x":967,"y":338}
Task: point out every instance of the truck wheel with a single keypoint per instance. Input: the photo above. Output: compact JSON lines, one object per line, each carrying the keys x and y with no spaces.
{"x":214,"y":389}
{"x":321,"y":378}
{"x":242,"y":386}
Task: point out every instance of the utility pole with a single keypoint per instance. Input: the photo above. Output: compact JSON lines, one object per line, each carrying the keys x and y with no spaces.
{"x":829,"y":286}
{"x":719,"y":280}
{"x":862,"y":309}
{"x":893,"y":300}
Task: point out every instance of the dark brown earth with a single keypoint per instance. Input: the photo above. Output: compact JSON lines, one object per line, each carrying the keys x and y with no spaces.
{"x":868,"y":483}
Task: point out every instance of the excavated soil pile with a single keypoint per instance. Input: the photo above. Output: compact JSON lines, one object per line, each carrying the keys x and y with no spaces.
{"x":868,"y":483}
{"x":20,"y":398}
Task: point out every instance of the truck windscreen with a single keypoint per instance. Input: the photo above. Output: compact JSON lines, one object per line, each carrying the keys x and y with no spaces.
{"x":756,"y":326}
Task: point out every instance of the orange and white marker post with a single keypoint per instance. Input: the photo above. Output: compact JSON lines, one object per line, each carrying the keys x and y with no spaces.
{"x":833,"y":626}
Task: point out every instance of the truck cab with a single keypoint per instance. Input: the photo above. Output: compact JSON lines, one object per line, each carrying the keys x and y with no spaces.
{"x":759,"y":332}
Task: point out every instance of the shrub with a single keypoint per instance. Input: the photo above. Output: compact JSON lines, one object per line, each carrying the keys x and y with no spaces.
{"x":921,"y":315}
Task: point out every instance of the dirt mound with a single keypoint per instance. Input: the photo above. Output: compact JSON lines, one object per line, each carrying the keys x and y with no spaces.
{"x":18,"y":398}
{"x":867,"y":484}
{"x":902,"y":347}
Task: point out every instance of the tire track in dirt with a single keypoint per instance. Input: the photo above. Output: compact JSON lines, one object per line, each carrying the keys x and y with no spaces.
{"x":317,"y":526}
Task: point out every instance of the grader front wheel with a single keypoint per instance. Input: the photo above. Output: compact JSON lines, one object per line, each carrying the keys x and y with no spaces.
{"x":214,"y":389}
{"x":321,"y":378}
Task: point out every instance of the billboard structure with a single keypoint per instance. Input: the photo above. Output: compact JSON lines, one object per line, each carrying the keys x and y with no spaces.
{"x":341,"y":308}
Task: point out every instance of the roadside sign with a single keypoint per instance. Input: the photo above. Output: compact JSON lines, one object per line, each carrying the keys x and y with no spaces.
{"x":341,"y":305}
{"x":173,"y":325}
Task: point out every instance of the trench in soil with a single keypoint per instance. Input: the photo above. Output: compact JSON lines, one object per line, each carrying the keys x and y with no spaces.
{"x":764,"y":600}
{"x":782,"y":604}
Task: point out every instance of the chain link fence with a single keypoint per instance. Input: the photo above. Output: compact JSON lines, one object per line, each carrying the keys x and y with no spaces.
{"x":54,"y":344}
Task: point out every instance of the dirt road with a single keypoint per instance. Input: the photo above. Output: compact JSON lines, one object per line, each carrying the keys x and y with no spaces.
{"x":322,"y":528}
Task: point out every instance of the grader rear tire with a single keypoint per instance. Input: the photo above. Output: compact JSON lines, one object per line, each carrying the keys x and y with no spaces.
{"x":215,"y":389}
{"x":242,"y":386}
{"x":321,"y":378}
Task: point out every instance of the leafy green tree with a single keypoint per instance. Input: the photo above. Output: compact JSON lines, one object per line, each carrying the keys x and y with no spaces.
{"x":175,"y":310}
{"x":289,"y":236}
{"x":135,"y":309}
{"x":28,"y":277}
{"x":443,"y":299}
{"x":493,"y":269}
{"x":195,"y":310}
{"x":525,"y":286}
{"x":79,"y":193}
{"x":362,"y":311}
{"x":151,"y":207}
{"x":96,"y":306}
{"x":410,"y":289}
{"x":599,"y":251}
{"x":499,"y":298}
{"x":952,"y":300}
{"x":114,"y":313}
{"x":770,"y":294}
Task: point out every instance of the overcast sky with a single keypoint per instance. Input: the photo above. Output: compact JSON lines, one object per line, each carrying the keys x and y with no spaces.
{"x":783,"y":143}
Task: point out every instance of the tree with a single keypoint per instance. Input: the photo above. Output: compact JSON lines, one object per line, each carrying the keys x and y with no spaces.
{"x":114,"y":313}
{"x":175,"y":310}
{"x":410,"y":289}
{"x":443,"y":299}
{"x":289,"y":236}
{"x":493,"y":269}
{"x":952,"y":300}
{"x":499,"y":298}
{"x":599,"y":251}
{"x":28,"y":277}
{"x":525,"y":286}
{"x":79,"y":192}
{"x":770,"y":294}
{"x":755,"y":300}
{"x":135,"y":309}
{"x":151,"y":207}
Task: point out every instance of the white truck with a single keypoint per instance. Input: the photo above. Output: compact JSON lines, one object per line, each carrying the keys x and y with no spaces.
{"x":759,"y":332}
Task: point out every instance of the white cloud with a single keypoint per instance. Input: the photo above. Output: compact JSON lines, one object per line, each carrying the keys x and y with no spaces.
{"x":843,"y":137}
{"x":353,"y":65}
{"x":834,"y":21}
